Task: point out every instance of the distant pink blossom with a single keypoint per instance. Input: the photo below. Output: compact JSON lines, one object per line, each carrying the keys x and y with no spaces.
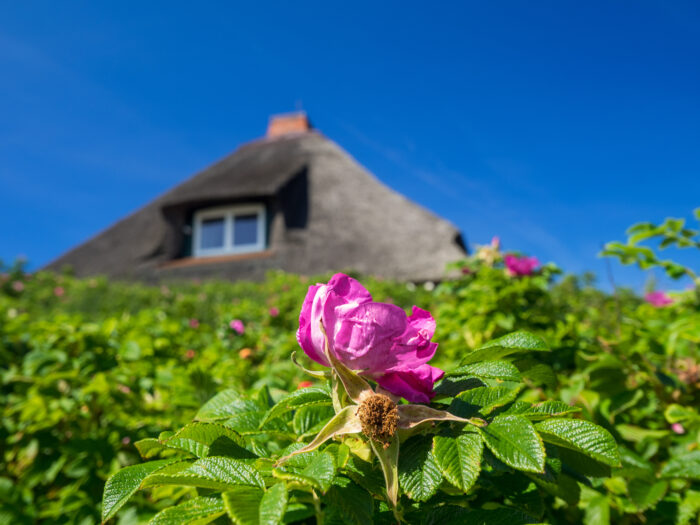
{"x":658,"y":299}
{"x":678,"y":428}
{"x":274,"y":311}
{"x":126,"y":440}
{"x":304,"y":384}
{"x":194,"y":323}
{"x":496,"y":242}
{"x":520,"y":265}
{"x":237,"y":325}
{"x":18,"y":286}
{"x":59,"y":291}
{"x":124,"y":389}
{"x":190,"y":354}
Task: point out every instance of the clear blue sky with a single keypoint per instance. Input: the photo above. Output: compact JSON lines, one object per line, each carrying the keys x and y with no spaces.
{"x":554,"y":125}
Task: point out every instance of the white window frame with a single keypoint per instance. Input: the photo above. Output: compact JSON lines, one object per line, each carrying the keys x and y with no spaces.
{"x":228,"y":214}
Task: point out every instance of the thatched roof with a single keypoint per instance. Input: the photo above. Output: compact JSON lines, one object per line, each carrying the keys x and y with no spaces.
{"x":326,"y":213}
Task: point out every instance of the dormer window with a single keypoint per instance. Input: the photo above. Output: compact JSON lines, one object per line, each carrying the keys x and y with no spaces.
{"x":229,"y":230}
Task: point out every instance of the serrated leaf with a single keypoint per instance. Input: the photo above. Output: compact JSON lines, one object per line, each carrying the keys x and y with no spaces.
{"x":645,"y":494}
{"x":579,"y":464}
{"x":364,"y":474}
{"x":149,"y":447}
{"x":273,"y":505}
{"x":321,"y":470}
{"x":542,"y":410}
{"x":482,"y":400}
{"x":310,"y":419}
{"x":197,"y":438}
{"x":318,"y":474}
{"x":502,"y":370}
{"x":226,"y":404}
{"x":582,"y":436}
{"x":509,"y":344}
{"x":686,"y":466}
{"x":311,"y":396}
{"x":459,"y":458}
{"x":123,"y":484}
{"x":352,"y":504}
{"x":197,"y":511}
{"x":419,"y":474}
{"x":243,"y":505}
{"x":213,"y":473}
{"x":513,"y":440}
{"x":451,"y":386}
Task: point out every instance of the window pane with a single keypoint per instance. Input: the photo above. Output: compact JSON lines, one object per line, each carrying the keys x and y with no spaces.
{"x":212,"y":234}
{"x":245,"y":229}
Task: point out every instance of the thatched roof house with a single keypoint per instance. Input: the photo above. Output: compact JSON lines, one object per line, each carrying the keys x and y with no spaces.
{"x":293,"y":200}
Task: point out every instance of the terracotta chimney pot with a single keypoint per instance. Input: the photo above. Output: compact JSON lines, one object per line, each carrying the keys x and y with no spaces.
{"x":289,"y":123}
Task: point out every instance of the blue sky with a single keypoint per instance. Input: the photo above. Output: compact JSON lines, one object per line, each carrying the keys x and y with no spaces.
{"x":554,"y":125}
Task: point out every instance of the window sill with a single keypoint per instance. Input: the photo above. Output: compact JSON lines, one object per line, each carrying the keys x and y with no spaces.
{"x":196,"y":261}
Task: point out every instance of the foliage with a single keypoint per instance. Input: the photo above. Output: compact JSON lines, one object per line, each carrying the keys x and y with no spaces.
{"x":521,"y":455}
{"x":97,"y":375}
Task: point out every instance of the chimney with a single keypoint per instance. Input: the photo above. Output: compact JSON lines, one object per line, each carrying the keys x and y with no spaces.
{"x":289,"y":123}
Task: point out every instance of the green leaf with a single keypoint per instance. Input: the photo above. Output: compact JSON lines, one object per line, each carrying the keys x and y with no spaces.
{"x":243,"y":505}
{"x":321,"y":470}
{"x":459,"y":458}
{"x":502,"y":370}
{"x":273,"y":505}
{"x":583,"y":436}
{"x":311,"y":396}
{"x":596,"y":509}
{"x":149,"y":447}
{"x":513,"y":440}
{"x":344,"y":422}
{"x":541,"y":411}
{"x":351,"y":503}
{"x":675,"y":413}
{"x":308,"y":419}
{"x":123,"y":484}
{"x":197,"y":438}
{"x":686,"y":466}
{"x":645,"y":494}
{"x":226,"y":404}
{"x":197,"y":511}
{"x":214,"y":473}
{"x":318,"y":474}
{"x":482,"y":400}
{"x":514,"y":343}
{"x":419,"y":474}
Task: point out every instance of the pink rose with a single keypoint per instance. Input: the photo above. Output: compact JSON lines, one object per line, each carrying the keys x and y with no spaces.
{"x":376,"y":339}
{"x":520,"y":265}
{"x":237,"y":325}
{"x":658,"y":299}
{"x":274,"y":311}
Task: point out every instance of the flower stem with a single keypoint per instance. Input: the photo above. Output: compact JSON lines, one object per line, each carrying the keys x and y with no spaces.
{"x":317,"y":507}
